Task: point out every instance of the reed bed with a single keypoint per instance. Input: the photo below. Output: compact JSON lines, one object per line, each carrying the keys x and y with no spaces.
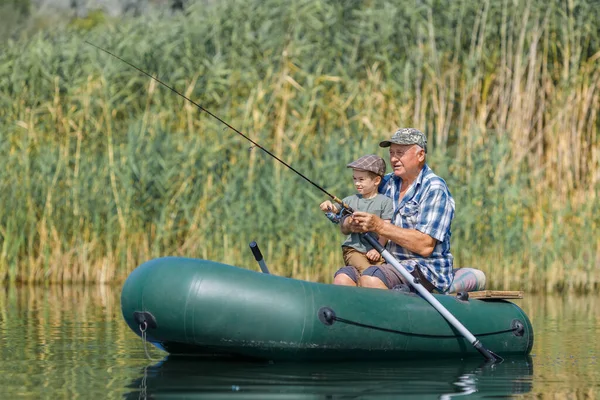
{"x":104,"y":169}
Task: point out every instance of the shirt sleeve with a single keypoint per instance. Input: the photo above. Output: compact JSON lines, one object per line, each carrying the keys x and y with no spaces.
{"x":387,"y":209}
{"x":436,"y":214}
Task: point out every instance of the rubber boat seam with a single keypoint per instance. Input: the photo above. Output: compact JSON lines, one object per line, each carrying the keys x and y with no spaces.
{"x":194,"y":289}
{"x":305,"y":316}
{"x":408,"y":316}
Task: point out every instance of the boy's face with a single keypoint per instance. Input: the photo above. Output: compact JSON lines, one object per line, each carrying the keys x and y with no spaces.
{"x":366,"y":183}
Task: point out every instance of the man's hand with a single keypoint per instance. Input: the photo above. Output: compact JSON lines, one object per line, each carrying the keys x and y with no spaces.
{"x":365,"y":222}
{"x":373,"y":255}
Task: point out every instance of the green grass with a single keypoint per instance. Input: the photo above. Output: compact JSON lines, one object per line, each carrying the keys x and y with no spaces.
{"x":104,"y":169}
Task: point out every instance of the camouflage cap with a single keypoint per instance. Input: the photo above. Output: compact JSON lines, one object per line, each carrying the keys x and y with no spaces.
{"x":407,"y":136}
{"x":371,"y":163}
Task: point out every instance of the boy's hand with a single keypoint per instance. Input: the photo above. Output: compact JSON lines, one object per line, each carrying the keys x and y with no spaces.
{"x":373,"y":255}
{"x":327,"y":205}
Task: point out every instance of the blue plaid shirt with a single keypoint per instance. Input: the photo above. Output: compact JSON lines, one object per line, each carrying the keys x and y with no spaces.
{"x":429,"y":208}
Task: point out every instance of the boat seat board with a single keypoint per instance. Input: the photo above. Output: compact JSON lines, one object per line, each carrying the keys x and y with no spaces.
{"x":496,"y":294}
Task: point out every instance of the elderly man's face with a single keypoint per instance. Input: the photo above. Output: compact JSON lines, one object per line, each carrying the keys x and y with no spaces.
{"x":406,"y":160}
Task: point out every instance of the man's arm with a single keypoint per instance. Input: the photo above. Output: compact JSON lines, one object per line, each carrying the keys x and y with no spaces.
{"x":410,"y":239}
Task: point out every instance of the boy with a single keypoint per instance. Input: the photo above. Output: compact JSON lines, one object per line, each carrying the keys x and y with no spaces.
{"x":367,"y":174}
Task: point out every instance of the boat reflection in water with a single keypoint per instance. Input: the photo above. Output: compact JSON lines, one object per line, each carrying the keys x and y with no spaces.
{"x":189,"y":377}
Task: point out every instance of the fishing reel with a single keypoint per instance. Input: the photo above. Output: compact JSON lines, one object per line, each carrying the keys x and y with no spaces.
{"x":336,"y":217}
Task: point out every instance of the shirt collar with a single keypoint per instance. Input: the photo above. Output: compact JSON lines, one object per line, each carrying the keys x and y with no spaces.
{"x":424,"y":171}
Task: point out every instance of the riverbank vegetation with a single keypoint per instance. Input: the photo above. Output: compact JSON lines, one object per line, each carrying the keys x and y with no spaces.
{"x":104,"y":169}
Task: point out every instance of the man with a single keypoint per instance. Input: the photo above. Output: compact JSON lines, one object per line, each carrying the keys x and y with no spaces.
{"x":419,"y":236}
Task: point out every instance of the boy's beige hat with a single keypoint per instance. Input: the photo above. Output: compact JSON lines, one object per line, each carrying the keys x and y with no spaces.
{"x":371,"y":163}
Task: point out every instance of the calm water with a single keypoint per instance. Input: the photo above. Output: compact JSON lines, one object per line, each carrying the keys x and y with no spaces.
{"x":66,"y":342}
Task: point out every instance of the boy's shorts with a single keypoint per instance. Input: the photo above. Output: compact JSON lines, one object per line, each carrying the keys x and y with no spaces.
{"x":355,"y":258}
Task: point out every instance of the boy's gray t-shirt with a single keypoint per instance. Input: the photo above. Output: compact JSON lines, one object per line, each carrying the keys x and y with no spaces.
{"x":380,"y":205}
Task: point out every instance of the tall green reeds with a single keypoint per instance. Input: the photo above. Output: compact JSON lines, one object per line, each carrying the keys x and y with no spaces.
{"x":104,"y":169}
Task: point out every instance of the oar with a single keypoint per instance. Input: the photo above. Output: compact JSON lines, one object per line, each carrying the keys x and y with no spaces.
{"x":489,"y":355}
{"x":259,"y":257}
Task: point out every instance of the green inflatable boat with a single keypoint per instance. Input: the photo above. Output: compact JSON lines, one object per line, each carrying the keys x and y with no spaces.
{"x":197,"y":307}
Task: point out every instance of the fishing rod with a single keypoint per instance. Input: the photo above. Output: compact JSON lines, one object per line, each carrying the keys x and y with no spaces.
{"x":346,"y":210}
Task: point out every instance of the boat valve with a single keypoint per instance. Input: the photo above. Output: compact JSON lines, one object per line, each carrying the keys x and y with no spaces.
{"x":326,"y":315}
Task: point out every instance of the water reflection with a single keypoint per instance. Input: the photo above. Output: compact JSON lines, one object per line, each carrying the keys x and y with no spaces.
{"x":67,"y":341}
{"x":197,"y":378}
{"x":64,"y":341}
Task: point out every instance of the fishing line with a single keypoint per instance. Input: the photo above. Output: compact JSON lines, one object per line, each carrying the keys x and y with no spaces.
{"x":332,"y":197}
